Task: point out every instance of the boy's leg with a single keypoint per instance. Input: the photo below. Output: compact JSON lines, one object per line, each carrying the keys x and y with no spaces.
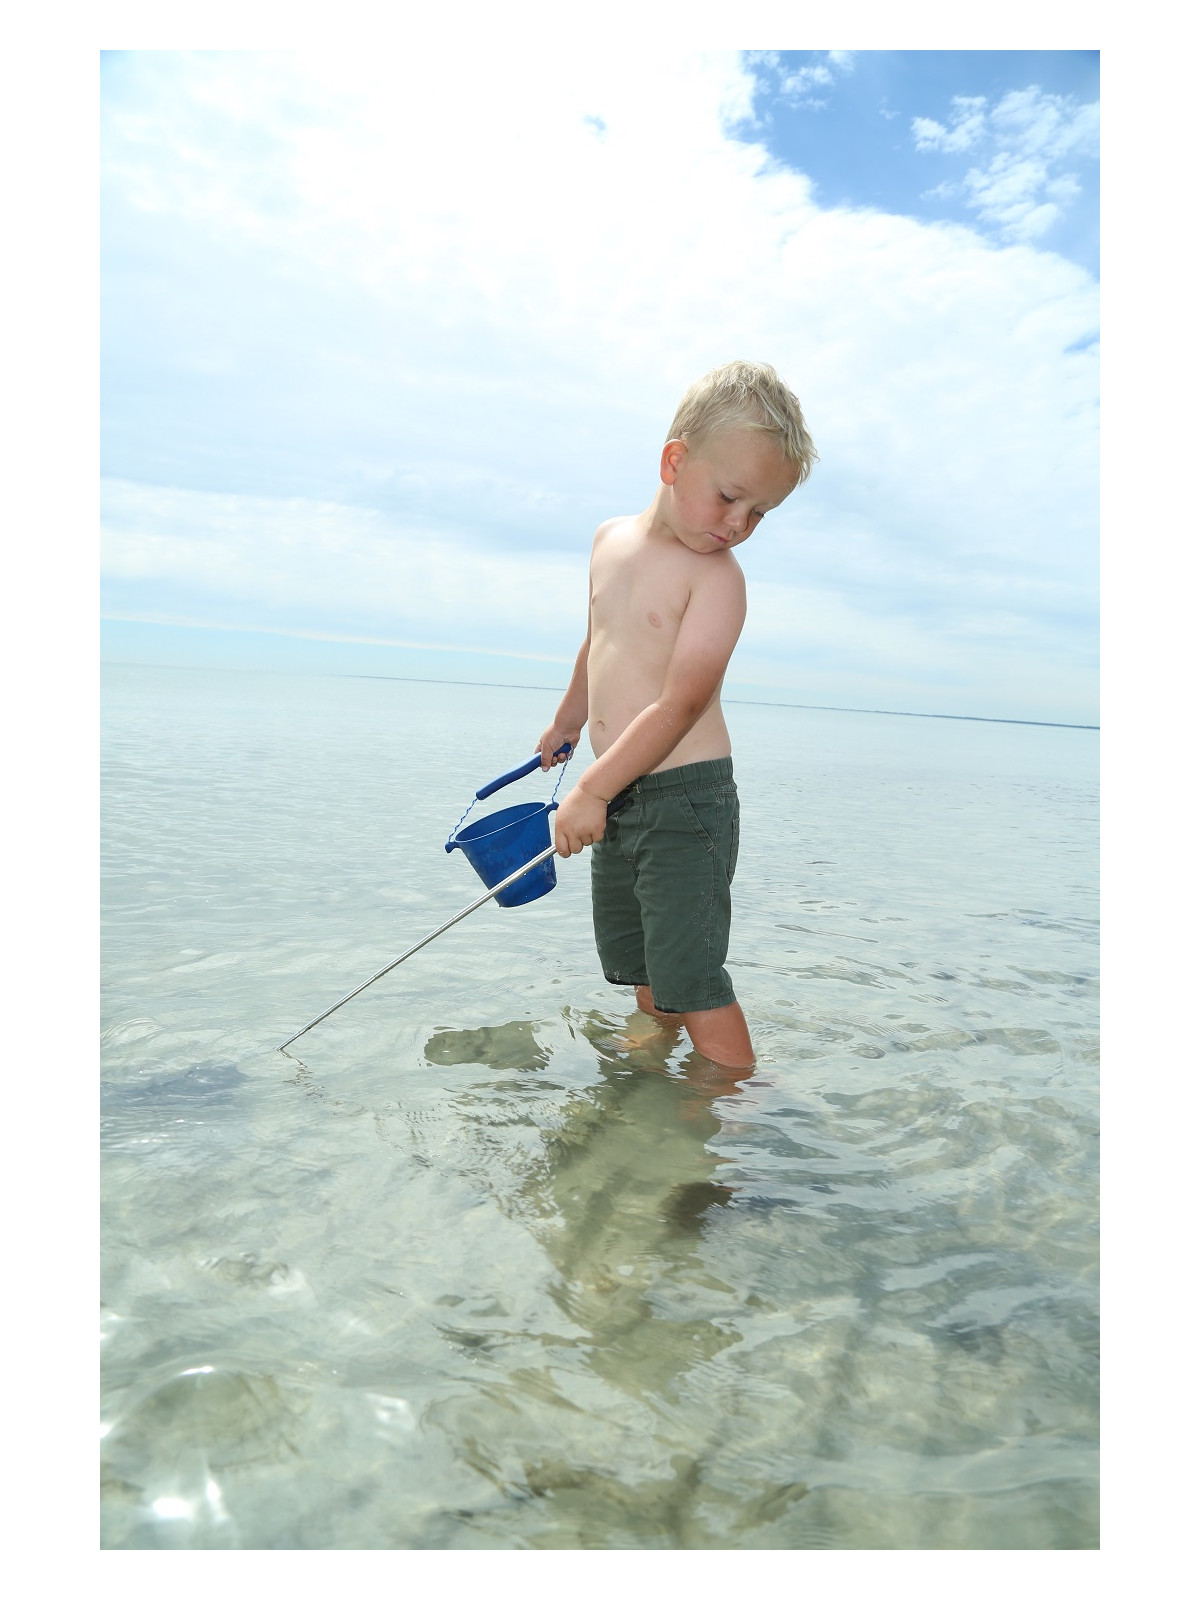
{"x":721,"y":1035}
{"x":687,"y":856}
{"x":616,"y":915}
{"x":645,"y":1002}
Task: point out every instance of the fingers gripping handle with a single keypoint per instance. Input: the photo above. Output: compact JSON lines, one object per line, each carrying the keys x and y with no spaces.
{"x":517,"y":772}
{"x":500,"y":782}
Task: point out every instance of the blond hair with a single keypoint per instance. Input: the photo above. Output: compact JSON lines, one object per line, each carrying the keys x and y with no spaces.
{"x":746,"y":394}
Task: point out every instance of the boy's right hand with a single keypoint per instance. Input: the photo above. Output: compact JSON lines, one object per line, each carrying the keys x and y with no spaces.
{"x":552,"y":742}
{"x":580,"y":820}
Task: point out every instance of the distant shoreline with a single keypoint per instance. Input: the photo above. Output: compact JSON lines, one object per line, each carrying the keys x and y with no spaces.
{"x":547,"y":688}
{"x":942,"y":716}
{"x":785,"y":705}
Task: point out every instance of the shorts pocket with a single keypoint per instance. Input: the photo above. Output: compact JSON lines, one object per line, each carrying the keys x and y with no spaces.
{"x":698,"y":828}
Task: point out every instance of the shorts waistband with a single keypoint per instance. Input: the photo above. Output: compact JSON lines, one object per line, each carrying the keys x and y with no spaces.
{"x":693,"y":776}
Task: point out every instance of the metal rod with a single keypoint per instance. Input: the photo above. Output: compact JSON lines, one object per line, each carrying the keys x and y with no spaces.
{"x":474,"y":906}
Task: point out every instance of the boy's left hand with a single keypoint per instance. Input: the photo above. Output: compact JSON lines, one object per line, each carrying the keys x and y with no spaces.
{"x":580,"y":820}
{"x":552,"y":741}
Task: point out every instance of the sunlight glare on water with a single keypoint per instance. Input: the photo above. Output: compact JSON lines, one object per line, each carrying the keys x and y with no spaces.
{"x":486,"y":1261}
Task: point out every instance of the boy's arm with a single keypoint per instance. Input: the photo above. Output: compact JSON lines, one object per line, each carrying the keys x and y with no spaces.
{"x":567,"y":727}
{"x":708,"y":632}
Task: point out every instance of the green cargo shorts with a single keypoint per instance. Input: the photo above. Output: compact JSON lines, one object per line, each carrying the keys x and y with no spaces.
{"x":660,"y":886}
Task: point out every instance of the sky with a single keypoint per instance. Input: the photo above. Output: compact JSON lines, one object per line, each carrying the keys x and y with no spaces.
{"x":381,"y":345}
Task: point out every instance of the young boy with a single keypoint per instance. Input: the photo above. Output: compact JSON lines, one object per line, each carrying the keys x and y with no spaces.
{"x":667,"y":603}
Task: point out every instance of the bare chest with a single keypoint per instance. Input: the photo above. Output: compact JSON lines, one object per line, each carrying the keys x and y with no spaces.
{"x":639,"y":596}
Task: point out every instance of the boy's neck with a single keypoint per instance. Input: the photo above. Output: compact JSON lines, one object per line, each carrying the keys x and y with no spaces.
{"x":656,"y":519}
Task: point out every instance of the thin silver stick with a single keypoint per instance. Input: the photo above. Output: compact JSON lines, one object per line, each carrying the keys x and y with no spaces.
{"x":474,"y":906}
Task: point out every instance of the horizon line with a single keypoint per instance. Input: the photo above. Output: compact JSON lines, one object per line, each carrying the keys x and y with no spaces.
{"x":549,"y":688}
{"x":785,"y":705}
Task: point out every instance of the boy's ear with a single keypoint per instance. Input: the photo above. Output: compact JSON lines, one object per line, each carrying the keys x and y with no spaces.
{"x":673,"y":454}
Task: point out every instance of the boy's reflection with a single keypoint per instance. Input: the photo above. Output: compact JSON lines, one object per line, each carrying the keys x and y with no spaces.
{"x":623,"y":1193}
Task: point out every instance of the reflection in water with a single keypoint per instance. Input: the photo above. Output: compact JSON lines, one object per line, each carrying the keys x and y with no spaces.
{"x":619,"y":1199}
{"x":515,"y":1045}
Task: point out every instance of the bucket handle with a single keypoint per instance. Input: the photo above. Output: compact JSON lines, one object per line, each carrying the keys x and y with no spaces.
{"x":518,"y":772}
{"x":502,"y":781}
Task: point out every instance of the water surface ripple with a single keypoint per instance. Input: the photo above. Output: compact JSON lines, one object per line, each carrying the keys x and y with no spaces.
{"x":483,"y":1262}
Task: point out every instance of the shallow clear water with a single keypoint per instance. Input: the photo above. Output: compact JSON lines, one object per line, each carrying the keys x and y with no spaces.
{"x":483,"y":1264}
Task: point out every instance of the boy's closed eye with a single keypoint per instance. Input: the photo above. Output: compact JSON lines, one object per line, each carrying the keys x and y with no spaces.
{"x":729,"y":500}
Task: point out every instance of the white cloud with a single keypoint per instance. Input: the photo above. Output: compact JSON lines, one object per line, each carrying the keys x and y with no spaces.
{"x":1049,"y":125}
{"x":397,"y":354}
{"x":798,"y":86}
{"x":296,"y":563}
{"x":968,"y":124}
{"x":927,"y":133}
{"x":801,"y":87}
{"x":1022,"y":190}
{"x":1008,"y":193}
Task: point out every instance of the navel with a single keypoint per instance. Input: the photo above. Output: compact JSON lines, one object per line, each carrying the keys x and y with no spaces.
{"x":655,"y":620}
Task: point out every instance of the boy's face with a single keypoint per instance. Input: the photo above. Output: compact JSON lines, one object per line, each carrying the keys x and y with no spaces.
{"x":724,"y":486}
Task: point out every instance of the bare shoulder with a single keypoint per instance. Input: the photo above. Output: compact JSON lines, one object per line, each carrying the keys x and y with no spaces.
{"x":613,"y":525}
{"x":719,"y":578}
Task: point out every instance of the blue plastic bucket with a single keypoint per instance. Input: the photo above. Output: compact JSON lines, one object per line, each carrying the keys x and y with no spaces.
{"x":497,"y":845}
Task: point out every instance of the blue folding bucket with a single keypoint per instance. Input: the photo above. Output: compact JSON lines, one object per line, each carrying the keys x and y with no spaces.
{"x":497,"y":845}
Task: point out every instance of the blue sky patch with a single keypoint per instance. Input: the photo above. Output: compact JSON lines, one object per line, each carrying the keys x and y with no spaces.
{"x":1005,"y":141}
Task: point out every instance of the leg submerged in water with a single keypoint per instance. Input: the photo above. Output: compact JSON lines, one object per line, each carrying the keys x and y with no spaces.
{"x":721,"y":1035}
